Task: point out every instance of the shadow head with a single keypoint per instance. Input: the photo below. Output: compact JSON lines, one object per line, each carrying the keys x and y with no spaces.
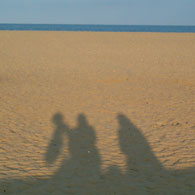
{"x":123,"y":120}
{"x":82,"y":120}
{"x":57,"y":119}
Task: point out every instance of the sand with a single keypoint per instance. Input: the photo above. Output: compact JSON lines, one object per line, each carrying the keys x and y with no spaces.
{"x":97,"y":113}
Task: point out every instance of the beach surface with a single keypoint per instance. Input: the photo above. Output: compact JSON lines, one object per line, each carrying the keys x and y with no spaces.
{"x":97,"y":113}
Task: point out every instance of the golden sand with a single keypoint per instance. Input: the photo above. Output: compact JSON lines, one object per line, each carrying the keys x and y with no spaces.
{"x":97,"y":113}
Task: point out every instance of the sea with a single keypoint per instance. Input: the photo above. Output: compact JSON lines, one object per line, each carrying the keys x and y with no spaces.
{"x":98,"y":28}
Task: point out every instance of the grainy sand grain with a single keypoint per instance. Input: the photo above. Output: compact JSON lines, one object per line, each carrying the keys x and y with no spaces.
{"x":97,"y":113}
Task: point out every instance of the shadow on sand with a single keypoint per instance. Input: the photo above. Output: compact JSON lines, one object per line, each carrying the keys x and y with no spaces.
{"x":81,"y":173}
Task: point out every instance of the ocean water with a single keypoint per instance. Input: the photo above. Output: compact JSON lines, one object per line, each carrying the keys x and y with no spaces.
{"x":101,"y":28}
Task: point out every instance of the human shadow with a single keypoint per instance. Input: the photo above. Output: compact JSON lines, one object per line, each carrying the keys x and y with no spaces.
{"x":145,"y":174}
{"x":80,"y":172}
{"x":139,"y":156}
{"x":82,"y":169}
{"x":56,"y":144}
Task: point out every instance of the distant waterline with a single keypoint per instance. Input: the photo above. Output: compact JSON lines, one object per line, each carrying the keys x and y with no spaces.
{"x":98,"y":28}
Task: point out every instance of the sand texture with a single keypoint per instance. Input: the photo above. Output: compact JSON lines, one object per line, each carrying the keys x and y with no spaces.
{"x":97,"y":113}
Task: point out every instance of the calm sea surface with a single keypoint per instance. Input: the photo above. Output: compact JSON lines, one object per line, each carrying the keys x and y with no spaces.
{"x":105,"y":28}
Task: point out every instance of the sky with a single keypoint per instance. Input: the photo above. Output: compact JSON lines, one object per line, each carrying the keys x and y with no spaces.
{"x":119,"y":12}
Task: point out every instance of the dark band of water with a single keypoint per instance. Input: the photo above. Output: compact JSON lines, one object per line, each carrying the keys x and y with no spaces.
{"x":100,"y":28}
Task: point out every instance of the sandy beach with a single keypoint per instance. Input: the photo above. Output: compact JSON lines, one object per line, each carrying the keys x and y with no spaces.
{"x":97,"y":113}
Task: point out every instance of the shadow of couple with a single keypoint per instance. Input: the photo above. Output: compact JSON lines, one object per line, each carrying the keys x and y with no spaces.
{"x":80,"y":172}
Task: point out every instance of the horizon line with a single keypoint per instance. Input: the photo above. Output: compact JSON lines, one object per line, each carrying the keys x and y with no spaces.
{"x":99,"y":24}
